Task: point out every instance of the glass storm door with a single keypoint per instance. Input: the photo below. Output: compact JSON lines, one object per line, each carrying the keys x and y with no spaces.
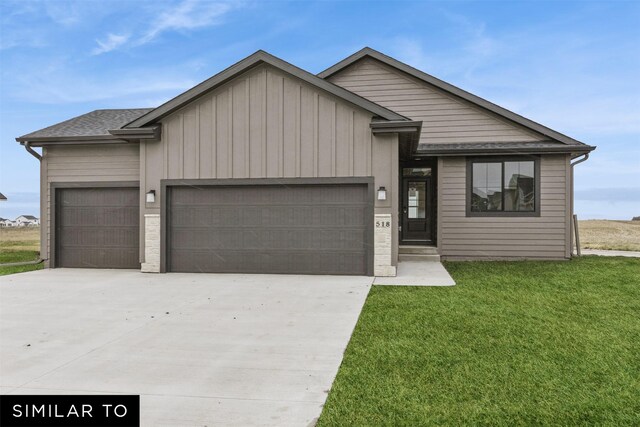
{"x":416,"y":221}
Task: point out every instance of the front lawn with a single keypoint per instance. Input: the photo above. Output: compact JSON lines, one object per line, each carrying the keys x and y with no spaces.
{"x":19,"y":244}
{"x":11,"y":256}
{"x":514,"y":343}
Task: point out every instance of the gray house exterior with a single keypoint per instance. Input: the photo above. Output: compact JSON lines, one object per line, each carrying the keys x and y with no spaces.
{"x":266,"y":168}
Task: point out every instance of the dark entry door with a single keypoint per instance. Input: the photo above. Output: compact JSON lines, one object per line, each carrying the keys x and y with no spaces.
{"x":416,"y":209}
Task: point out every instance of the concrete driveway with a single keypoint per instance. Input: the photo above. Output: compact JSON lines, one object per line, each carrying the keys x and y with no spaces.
{"x":201,"y":349}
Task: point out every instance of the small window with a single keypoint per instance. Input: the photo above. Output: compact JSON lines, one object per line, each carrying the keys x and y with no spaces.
{"x":503,"y":187}
{"x":416,"y":171}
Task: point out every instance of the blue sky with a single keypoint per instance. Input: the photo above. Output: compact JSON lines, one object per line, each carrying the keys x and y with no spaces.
{"x":573,"y":66}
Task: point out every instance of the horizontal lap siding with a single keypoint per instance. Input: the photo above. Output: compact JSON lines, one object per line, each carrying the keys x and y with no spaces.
{"x":445,"y":118}
{"x":84,"y":163}
{"x":541,"y":237}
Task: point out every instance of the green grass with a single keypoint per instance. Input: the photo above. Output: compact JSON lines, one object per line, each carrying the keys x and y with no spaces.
{"x":10,"y":256}
{"x":514,"y":343}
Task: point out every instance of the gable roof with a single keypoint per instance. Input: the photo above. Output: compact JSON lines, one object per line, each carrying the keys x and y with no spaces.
{"x":31,"y":217}
{"x":260,"y":57}
{"x":95,"y":125}
{"x":3,"y":197}
{"x":449,"y":88}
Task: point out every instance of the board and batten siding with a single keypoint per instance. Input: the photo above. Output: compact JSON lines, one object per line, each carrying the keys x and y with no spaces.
{"x":83,"y":163}
{"x":543,"y":237}
{"x":445,"y":118}
{"x":266,"y":123}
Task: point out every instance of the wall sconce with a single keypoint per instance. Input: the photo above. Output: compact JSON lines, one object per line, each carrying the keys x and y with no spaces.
{"x":382,"y":193}
{"x":151,"y":196}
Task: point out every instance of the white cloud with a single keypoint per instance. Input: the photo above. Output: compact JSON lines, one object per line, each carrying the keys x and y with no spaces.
{"x":188,"y":15}
{"x":113,"y":41}
{"x":69,"y":13}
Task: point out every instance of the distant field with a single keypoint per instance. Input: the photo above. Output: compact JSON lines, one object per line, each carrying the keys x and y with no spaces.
{"x":20,"y":239}
{"x":607,"y":234}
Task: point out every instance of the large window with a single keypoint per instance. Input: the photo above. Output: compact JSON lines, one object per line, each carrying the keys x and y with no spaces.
{"x":503,"y":187}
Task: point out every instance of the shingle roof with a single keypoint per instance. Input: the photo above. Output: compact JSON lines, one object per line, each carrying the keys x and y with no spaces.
{"x":488,"y":147}
{"x":28,"y":216}
{"x":3,"y":197}
{"x":95,"y":123}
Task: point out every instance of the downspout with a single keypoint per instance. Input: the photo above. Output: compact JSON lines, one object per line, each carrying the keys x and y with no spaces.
{"x":571,"y":221}
{"x":31,"y":151}
{"x":37,"y":155}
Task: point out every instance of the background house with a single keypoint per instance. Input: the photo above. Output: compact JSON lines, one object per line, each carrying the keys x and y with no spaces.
{"x":26,"y":221}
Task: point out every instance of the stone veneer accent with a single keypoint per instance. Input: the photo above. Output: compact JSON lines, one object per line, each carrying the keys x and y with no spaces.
{"x":382,"y":247}
{"x":151,"y":243}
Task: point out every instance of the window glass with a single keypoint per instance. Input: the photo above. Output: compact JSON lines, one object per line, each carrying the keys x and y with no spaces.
{"x":487,"y":187}
{"x":416,"y":171}
{"x":503,"y":186}
{"x":417,"y":200}
{"x":519,"y":187}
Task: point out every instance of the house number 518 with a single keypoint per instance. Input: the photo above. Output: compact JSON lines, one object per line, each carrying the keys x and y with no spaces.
{"x":383,"y":224}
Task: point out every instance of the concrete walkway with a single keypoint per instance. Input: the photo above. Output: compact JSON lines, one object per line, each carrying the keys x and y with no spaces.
{"x":600,"y":252}
{"x":200,"y":349}
{"x":418,"y":273}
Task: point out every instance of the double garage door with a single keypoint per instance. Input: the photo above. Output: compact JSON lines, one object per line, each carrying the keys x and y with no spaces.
{"x":297,"y":229}
{"x":293,"y":228}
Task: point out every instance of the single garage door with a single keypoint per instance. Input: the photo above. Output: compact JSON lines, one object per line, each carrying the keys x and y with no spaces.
{"x":97,"y":227}
{"x":290,"y":229}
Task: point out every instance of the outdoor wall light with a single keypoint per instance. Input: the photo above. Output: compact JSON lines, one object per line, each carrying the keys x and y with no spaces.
{"x":382,"y":193}
{"x":151,"y":196}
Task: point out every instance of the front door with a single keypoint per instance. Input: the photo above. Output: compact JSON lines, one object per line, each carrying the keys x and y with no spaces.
{"x":416,"y":209}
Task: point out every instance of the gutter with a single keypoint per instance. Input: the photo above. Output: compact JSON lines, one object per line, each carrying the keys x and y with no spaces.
{"x":396,"y":126}
{"x":498,"y":151}
{"x":115,"y":136}
{"x":572,"y":220}
{"x":34,"y":153}
{"x":151,"y":133}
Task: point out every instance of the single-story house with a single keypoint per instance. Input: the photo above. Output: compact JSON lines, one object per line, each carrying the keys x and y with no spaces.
{"x":267,"y":168}
{"x":5,"y":222}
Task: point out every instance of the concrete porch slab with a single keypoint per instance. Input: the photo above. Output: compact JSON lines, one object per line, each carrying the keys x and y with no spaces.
{"x":418,"y":273}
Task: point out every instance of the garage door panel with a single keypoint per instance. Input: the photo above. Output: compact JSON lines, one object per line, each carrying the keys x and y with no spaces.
{"x":91,"y":236}
{"x":295,"y":195}
{"x":99,"y":216}
{"x":269,"y":216}
{"x":259,"y":238}
{"x":98,"y":197}
{"x":301,"y":229}
{"x":84,"y":257}
{"x":97,"y":227}
{"x":273,"y":262}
